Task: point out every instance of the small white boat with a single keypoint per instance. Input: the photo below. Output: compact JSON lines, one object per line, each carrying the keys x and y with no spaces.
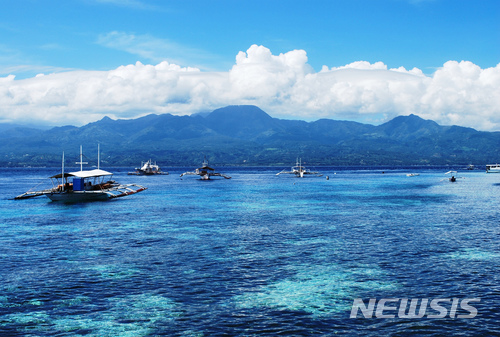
{"x":148,"y":169}
{"x":493,"y":168}
{"x":412,"y":174}
{"x":299,"y":170}
{"x":80,"y":186}
{"x":205,"y":172}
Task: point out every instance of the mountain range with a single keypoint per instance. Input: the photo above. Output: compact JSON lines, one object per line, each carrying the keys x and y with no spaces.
{"x":246,"y":135}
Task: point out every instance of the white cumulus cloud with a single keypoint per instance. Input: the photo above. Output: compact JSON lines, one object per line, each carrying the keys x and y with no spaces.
{"x":283,"y":85}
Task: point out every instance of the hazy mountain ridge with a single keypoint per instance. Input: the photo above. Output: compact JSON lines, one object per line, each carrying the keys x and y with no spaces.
{"x":246,"y":135}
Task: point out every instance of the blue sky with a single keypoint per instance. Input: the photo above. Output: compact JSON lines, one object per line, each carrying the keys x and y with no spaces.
{"x":208,"y":34}
{"x":78,"y":36}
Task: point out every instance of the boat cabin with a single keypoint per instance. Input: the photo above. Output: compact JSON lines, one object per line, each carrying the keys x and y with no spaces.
{"x":82,"y":180}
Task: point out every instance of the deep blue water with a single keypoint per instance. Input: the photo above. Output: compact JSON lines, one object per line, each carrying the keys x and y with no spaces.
{"x":257,"y":255}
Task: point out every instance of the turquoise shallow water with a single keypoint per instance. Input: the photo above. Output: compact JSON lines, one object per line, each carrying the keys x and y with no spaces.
{"x":251,"y":256}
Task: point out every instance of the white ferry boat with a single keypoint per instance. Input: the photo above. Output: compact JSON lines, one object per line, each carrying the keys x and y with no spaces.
{"x":148,"y":169}
{"x":493,"y":168}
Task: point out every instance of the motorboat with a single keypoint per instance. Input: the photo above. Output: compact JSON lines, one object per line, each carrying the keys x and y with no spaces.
{"x":493,"y":168}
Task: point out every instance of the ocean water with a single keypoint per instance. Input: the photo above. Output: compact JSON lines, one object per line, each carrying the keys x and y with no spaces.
{"x":257,"y":255}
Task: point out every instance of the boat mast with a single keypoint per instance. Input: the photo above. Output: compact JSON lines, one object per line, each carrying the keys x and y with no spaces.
{"x":81,"y":159}
{"x":62,"y":173}
{"x":98,"y":156}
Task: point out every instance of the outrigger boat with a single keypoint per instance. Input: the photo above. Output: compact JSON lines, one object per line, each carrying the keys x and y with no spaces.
{"x":206,"y":172}
{"x":299,"y":170}
{"x":79,"y":186}
{"x":148,"y":169}
{"x":453,"y":177}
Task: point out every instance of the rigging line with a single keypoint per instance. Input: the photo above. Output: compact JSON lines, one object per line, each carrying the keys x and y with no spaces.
{"x":85,"y":156}
{"x":35,"y":186}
